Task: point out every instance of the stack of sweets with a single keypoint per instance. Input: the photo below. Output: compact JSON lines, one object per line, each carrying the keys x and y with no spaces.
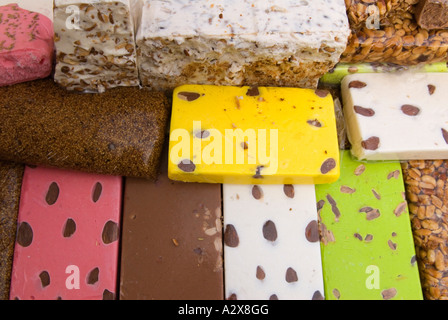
{"x":247,"y":138}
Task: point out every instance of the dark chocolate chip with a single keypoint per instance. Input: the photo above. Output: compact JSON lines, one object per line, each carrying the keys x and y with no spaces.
{"x":288,"y":189}
{"x":110,"y":232}
{"x":431,"y":89}
{"x":204,"y":134}
{"x":96,"y":194}
{"x":371,"y":144}
{"x":358,"y":236}
{"x":445,"y":135}
{"x":392,"y":245}
{"x":93,"y":276}
{"x":367,"y":112}
{"x":273,"y":297}
{"x":257,"y":192}
{"x":69,"y":228}
{"x":321,"y":93}
{"x":291,"y":275}
{"x":320,"y":204}
{"x":410,"y":110}
{"x":376,"y":194}
{"x":52,"y":194}
{"x":357,"y":84}
{"x":389,"y":293}
{"x":188,"y":96}
{"x":187,"y":166}
{"x":260,"y":273}
{"x":372,"y":214}
{"x":253,"y":92}
{"x":231,"y":238}
{"x":413,"y":260}
{"x":108,"y":295}
{"x":270,"y":231}
{"x":312,"y":231}
{"x":328,"y":165}
{"x":25,"y":235}
{"x":317,"y":296}
{"x":232,"y":297}
{"x":44,"y":278}
{"x":314,"y":123}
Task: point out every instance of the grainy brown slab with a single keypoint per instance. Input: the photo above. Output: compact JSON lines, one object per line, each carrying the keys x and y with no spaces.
{"x":11,"y":175}
{"x":119,"y":132}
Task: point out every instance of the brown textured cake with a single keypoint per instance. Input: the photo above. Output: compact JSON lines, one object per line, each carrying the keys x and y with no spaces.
{"x":11,"y":175}
{"x":120,"y":132}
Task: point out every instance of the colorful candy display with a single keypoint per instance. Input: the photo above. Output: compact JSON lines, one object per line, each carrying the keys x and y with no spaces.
{"x":223,"y":150}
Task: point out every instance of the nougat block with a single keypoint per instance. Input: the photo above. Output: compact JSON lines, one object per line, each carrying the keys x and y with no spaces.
{"x":366,"y":237}
{"x":230,"y":42}
{"x":95,"y":44}
{"x":271,"y":238}
{"x":397,"y":116}
{"x":253,"y":135}
{"x":68,"y":235}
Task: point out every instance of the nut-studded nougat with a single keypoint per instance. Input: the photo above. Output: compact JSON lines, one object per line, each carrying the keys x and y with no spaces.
{"x":95,"y":44}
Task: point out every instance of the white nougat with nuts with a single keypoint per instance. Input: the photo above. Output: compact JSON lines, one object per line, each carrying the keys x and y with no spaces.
{"x":397,"y":116}
{"x":95,"y":44}
{"x":240,"y":42}
{"x":272,"y":248}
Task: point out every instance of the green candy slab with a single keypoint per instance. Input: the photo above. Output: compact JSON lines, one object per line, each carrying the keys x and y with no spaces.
{"x":366,"y":237}
{"x":341,"y":70}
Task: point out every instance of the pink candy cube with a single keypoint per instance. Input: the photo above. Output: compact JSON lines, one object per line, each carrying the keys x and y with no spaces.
{"x":26,"y":45}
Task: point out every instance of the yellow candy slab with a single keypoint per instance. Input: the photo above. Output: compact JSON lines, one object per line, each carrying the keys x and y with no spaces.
{"x":253,"y":135}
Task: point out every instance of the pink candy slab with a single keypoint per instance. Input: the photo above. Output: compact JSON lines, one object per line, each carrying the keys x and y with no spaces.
{"x":67,"y":236}
{"x":26,"y":45}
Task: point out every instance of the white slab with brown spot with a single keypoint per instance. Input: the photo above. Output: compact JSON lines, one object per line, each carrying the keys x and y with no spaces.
{"x":271,"y":238}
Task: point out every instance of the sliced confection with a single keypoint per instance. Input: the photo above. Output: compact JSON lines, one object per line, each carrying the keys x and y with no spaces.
{"x":397,"y":116}
{"x":171,"y":240}
{"x":253,"y":135}
{"x":95,"y":44}
{"x":67,"y":237}
{"x":119,"y":132}
{"x":269,"y":43}
{"x":366,"y":238}
{"x":26,"y":45}
{"x":272,"y":249}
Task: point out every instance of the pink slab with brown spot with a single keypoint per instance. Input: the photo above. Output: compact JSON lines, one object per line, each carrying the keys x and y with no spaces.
{"x":67,"y":236}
